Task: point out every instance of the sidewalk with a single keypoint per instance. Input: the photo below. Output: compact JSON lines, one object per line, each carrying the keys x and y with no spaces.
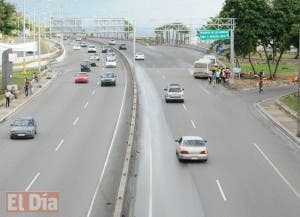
{"x":281,"y":116}
{"x":45,"y":79}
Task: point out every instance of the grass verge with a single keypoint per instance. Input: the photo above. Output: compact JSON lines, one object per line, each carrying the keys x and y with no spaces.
{"x":291,"y":101}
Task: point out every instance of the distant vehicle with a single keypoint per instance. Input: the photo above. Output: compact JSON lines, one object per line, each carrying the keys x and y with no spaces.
{"x":78,"y":39}
{"x":93,"y":62}
{"x":108,"y":78}
{"x":92,"y":49}
{"x":23,"y":128}
{"x":122,"y":47}
{"x":76,"y":47}
{"x":202,"y":68}
{"x":65,"y":38}
{"x":30,"y":52}
{"x":81,"y":77}
{"x":191,"y":148}
{"x":174,"y":92}
{"x":83,"y":44}
{"x":111,"y":56}
{"x":111,"y":63}
{"x":112,"y":42}
{"x":95,"y":57}
{"x":85,"y":66}
{"x":139,"y":56}
{"x":105,"y":48}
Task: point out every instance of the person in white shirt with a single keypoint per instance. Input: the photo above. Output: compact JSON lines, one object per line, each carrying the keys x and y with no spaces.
{"x":7,"y":98}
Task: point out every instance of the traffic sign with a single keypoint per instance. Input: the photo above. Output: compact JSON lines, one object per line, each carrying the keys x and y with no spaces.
{"x":214,"y":34}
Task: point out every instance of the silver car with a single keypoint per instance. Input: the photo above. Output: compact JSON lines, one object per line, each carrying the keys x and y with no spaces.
{"x":108,"y":78}
{"x":174,"y":92}
{"x":191,"y":148}
{"x":23,"y":128}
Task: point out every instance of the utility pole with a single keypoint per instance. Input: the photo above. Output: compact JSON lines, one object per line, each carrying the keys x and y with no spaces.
{"x":24,"y":39}
{"x":39,"y":46}
{"x":133,"y":24}
{"x":232,"y":48}
{"x":298,"y":121}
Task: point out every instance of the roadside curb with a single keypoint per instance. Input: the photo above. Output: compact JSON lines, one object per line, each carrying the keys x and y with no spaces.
{"x":29,"y":99}
{"x":286,"y":108}
{"x":286,"y":131}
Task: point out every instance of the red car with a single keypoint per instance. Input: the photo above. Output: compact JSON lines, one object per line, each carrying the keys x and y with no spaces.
{"x":81,"y":77}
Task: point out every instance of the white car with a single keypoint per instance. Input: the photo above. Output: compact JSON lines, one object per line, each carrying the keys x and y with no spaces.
{"x":95,"y":57}
{"x":112,"y":42}
{"x":92,"y":49}
{"x":174,"y":92}
{"x":76,"y":47}
{"x":139,"y":56}
{"x":111,"y":63}
{"x":191,"y":148}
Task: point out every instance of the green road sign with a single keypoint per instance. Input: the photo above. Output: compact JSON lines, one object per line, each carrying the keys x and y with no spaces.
{"x":214,"y":35}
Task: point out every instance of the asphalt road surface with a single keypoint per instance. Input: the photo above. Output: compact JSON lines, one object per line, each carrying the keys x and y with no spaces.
{"x":80,"y":146}
{"x":253,"y":168}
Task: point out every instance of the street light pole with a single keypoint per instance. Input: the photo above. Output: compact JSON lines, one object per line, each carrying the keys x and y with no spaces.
{"x":39,"y":46}
{"x":24,"y":39}
{"x":298,"y":121}
{"x":134,"y":45}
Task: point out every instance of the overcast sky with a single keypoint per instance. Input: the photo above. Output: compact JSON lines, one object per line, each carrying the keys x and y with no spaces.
{"x":143,"y":11}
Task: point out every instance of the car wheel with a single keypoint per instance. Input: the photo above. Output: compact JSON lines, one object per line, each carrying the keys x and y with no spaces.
{"x":101,"y":85}
{"x":182,"y":101}
{"x":35,"y":132}
{"x":11,"y":137}
{"x":115,"y":84}
{"x":205,"y":160}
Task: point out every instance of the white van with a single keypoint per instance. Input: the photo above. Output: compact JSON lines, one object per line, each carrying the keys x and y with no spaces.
{"x":212,"y":58}
{"x":202,"y":68}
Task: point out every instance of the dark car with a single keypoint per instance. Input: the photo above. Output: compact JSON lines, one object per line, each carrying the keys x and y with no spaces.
{"x":23,"y":128}
{"x":108,"y":78}
{"x":122,"y":47}
{"x":105,"y":48}
{"x":85,"y":66}
{"x":93,"y":62}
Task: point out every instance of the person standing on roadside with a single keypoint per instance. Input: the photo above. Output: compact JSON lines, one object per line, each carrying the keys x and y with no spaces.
{"x":26,"y":86}
{"x":260,"y":85}
{"x":7,"y":98}
{"x":214,"y":78}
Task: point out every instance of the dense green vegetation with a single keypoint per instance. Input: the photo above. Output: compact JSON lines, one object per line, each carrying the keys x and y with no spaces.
{"x":291,"y":101}
{"x":274,"y":26}
{"x":8,"y":18}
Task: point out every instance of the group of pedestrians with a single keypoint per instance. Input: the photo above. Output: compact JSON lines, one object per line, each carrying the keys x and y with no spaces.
{"x":27,"y":89}
{"x":219,"y":75}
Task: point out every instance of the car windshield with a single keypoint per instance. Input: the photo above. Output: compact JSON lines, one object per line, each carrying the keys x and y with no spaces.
{"x":21,"y":123}
{"x":81,"y":74}
{"x":139,"y":54}
{"x":91,"y":46}
{"x":108,"y":75}
{"x":175,"y":89}
{"x":193,"y":142}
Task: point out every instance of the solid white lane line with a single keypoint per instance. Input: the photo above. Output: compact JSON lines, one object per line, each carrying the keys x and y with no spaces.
{"x":206,"y":91}
{"x":278,"y":171}
{"x":150,"y":182}
{"x":60,"y":143}
{"x":31,"y":183}
{"x":110,"y":148}
{"x":86,"y":105}
{"x":221,"y":190}
{"x":98,"y":82}
{"x":193,"y":123}
{"x":184,"y":107}
{"x":93,"y":93}
{"x":75,"y":121}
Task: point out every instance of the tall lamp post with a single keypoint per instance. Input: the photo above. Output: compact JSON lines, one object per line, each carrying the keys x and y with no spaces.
{"x":24,"y":39}
{"x":298,"y":121}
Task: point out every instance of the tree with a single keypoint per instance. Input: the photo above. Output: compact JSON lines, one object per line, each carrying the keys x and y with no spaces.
{"x":7,"y":21}
{"x":128,"y":29}
{"x":251,"y":24}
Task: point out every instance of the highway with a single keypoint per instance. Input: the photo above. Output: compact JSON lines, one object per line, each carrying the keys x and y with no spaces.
{"x":253,"y":168}
{"x":80,"y":146}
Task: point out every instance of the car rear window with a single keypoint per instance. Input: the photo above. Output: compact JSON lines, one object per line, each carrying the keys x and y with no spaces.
{"x":193,"y":143}
{"x":175,"y":89}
